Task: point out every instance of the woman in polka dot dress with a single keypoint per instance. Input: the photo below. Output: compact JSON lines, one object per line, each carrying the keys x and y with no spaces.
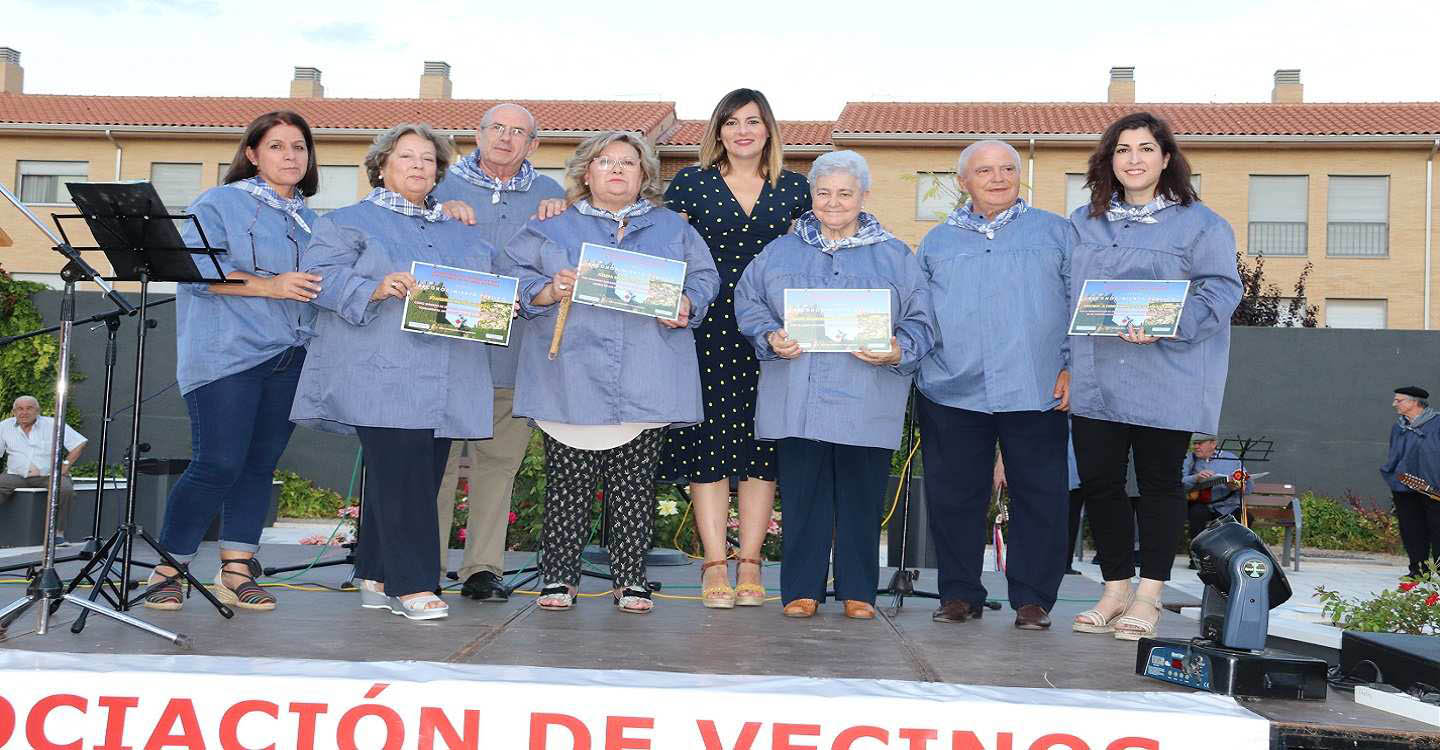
{"x":739,"y":198}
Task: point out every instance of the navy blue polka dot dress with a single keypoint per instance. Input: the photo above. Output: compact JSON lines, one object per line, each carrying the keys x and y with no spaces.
{"x":724,"y":445}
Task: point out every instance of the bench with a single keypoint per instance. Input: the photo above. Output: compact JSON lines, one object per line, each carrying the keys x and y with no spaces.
{"x":1275,"y":504}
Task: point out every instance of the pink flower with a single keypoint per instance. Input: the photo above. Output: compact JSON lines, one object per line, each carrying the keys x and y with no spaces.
{"x":1407,"y":585}
{"x":1431,"y":599}
{"x":513,"y":517}
{"x":600,"y":495}
{"x":733,"y":523}
{"x":773,"y":529}
{"x":462,"y":505}
{"x":315,"y":539}
{"x":349,"y":511}
{"x":462,"y":534}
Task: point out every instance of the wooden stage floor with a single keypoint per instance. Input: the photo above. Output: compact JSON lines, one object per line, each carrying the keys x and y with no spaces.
{"x":682,"y":636}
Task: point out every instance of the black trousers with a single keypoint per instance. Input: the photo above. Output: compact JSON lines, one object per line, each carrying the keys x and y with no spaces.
{"x":1419,"y":519}
{"x":959,"y":452}
{"x":571,"y":474}
{"x":1102,"y":454}
{"x":830,"y":492}
{"x":399,"y":542}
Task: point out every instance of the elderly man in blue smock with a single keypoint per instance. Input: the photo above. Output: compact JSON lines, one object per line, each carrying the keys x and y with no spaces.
{"x":239,"y":349}
{"x":1415,"y":450}
{"x":503,"y":190}
{"x":835,"y":416}
{"x":406,"y":395}
{"x":1206,"y":464}
{"x":1136,"y":394}
{"x":619,"y":378}
{"x":999,"y":277}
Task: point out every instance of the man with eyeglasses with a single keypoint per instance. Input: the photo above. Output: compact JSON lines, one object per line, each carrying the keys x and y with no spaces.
{"x":502,"y":188}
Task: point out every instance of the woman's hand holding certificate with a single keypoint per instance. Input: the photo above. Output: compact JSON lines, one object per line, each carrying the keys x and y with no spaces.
{"x":397,"y":285}
{"x":682,"y":319}
{"x":880,"y":359}
{"x":783,"y":346}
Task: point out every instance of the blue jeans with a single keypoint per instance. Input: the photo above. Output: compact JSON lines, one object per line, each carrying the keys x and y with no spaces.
{"x":239,"y":426}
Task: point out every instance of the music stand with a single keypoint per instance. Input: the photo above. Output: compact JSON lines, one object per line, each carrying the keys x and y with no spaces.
{"x":138,"y":236}
{"x":45,"y":587}
{"x":1245,"y":449}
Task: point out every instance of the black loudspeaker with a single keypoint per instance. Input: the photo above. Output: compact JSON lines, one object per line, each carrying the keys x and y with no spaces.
{"x":920,"y":550}
{"x":1402,"y":659}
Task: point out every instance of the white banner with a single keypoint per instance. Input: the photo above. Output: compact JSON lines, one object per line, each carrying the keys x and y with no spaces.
{"x":75,"y":702}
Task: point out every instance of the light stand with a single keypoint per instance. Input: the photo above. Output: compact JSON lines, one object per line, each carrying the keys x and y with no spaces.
{"x":45,"y":587}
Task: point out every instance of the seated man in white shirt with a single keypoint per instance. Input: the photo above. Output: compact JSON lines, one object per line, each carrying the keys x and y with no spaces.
{"x":26,"y":439}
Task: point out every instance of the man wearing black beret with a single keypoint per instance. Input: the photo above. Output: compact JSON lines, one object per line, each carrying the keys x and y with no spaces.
{"x":1415,"y":450}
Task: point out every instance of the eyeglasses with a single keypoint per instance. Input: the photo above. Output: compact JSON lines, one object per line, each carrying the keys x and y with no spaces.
{"x":626,"y":164}
{"x":497,"y":131}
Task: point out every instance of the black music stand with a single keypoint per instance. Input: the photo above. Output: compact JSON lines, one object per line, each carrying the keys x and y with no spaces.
{"x":45,"y":588}
{"x":1248,"y":450}
{"x":138,"y":236}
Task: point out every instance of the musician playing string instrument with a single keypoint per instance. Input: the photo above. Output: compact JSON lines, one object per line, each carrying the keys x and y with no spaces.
{"x":1415,"y":450}
{"x":1209,"y":500}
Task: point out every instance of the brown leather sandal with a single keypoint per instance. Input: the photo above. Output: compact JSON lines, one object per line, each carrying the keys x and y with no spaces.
{"x":749,"y":594}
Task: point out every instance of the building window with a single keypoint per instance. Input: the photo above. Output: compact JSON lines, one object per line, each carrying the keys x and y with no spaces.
{"x":558,"y":174}
{"x":1076,"y":194}
{"x":1358,"y":217}
{"x":177,"y":184}
{"x":337,"y":189}
{"x":1355,"y":313}
{"x":44,"y":181}
{"x":936,"y":195}
{"x":1279,"y":206}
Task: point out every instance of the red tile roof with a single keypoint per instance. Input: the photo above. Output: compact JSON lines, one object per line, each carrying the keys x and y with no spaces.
{"x":456,"y":114}
{"x":1046,"y":118}
{"x":793,"y":132}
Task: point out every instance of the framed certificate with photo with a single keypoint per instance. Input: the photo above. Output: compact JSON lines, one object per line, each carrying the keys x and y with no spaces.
{"x":459,"y":303}
{"x":630,"y":282}
{"x":1108,"y":306}
{"x":839,"y":320}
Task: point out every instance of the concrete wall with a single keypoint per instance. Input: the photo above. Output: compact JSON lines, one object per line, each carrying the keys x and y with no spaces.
{"x":1323,"y":396}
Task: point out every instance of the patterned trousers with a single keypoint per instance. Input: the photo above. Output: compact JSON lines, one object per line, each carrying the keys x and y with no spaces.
{"x":571,"y":475}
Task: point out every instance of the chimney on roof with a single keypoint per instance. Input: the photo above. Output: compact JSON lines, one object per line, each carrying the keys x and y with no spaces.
{"x":1288,"y":89}
{"x":306,"y":84}
{"x":435,"y":81}
{"x":12,"y":76}
{"x":1122,"y":86}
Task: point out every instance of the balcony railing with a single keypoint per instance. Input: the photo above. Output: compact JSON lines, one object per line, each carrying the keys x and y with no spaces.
{"x":1278,"y":238}
{"x":1354,"y":239}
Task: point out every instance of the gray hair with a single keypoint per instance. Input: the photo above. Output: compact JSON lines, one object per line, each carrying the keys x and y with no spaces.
{"x":841,"y":162}
{"x":384,"y":145}
{"x":651,"y":187}
{"x":975,"y":147}
{"x":31,"y":399}
{"x":489,"y":117}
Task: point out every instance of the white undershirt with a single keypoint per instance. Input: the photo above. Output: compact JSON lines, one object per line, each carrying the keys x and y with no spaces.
{"x":595,"y":437}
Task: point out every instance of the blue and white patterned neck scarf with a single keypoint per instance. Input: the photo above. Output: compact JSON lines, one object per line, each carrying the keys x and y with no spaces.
{"x":1120,"y":211}
{"x":638,"y":208}
{"x":868,"y":232}
{"x":399,"y":204}
{"x":966,"y":218}
{"x":468,"y":169}
{"x":1421,"y":418}
{"x":267,"y":195}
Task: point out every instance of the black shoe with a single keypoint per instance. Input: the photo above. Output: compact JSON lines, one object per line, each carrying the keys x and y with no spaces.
{"x":1071,"y":572}
{"x":1193,"y":565}
{"x":955,"y":610}
{"x":485,"y":587}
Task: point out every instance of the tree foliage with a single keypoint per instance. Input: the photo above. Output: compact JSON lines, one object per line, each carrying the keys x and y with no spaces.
{"x":1264,"y":305}
{"x":28,"y":366}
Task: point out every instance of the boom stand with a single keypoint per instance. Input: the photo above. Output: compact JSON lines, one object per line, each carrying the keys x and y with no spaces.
{"x":140,"y":240}
{"x":45,"y":587}
{"x":111,"y":321}
{"x":349,"y":558}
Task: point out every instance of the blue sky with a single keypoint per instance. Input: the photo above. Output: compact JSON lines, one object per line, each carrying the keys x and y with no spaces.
{"x":809,"y":57}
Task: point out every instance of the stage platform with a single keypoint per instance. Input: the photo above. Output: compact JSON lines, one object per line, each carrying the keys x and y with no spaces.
{"x":682,"y":636}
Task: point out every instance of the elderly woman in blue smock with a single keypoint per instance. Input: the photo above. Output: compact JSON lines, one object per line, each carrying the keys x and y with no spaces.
{"x":239,"y":349}
{"x":835,"y":416}
{"x":619,"y":378}
{"x":1136,"y":395}
{"x":406,"y":395}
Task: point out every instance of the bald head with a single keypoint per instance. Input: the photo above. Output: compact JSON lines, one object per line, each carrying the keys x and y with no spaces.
{"x":489,"y":117}
{"x":506,"y":138}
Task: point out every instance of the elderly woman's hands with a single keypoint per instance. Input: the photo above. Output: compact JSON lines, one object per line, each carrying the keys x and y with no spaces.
{"x":397,"y":285}
{"x":296,"y":285}
{"x":561,"y":285}
{"x":881,"y":359}
{"x":1137,"y":336}
{"x":783,"y":346}
{"x":683,"y":319}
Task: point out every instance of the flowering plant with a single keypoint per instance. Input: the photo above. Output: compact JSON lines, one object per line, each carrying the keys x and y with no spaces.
{"x":1412,"y":607}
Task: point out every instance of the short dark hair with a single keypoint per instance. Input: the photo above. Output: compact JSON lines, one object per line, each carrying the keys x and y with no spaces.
{"x":1100,"y":176}
{"x":242,"y":169}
